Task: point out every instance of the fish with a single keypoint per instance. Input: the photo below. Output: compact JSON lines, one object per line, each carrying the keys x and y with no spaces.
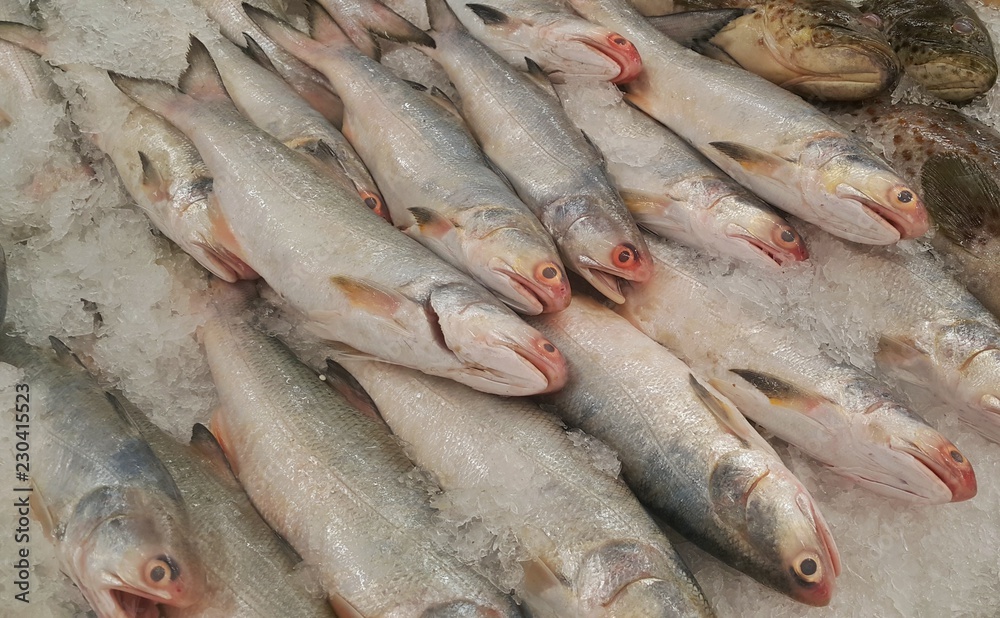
{"x":159,"y":167}
{"x":954,"y":161}
{"x":826,"y":50}
{"x":108,"y":505}
{"x":689,"y":455}
{"x":834,"y":412}
{"x":942,"y":44}
{"x":559,"y":174}
{"x":439,"y":187}
{"x":272,"y":105}
{"x":380,"y":292}
{"x":586,"y":546}
{"x":330,"y":479}
{"x":769,"y":140}
{"x":365,"y":21}
{"x":673,"y":191}
{"x":552,"y":36}
{"x":228,"y":533}
{"x":25,"y":77}
{"x":309,"y":83}
{"x":926,"y":332}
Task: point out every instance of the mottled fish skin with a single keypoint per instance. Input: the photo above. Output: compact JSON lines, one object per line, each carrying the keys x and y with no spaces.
{"x":836,"y":413}
{"x":709,"y":475}
{"x":769,"y":140}
{"x":250,"y":572}
{"x":309,"y":83}
{"x":331,"y":481}
{"x":941,"y":43}
{"x":955,"y":162}
{"x":932,"y":333}
{"x":109,"y":506}
{"x":673,"y":191}
{"x":273,"y":106}
{"x":587,"y":529}
{"x":558,"y":173}
{"x":820,"y":49}
{"x":438,"y":186}
{"x":379,"y":292}
{"x":551,"y":35}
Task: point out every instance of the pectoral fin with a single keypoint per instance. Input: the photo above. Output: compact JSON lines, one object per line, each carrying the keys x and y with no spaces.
{"x":753,"y":160}
{"x":730,"y":417}
{"x":156,"y":188}
{"x":962,"y":197}
{"x":902,"y":358}
{"x":786,"y":395}
{"x":378,"y":302}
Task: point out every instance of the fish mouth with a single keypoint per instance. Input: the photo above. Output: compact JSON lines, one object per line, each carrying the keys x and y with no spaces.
{"x":606,"y":282}
{"x":771,"y":252}
{"x":619,"y":50}
{"x":855,"y":70}
{"x":546,"y":359}
{"x":946,"y":463}
{"x":897,"y":225}
{"x":129,"y":604}
{"x":537,"y":297}
{"x":957,"y":78}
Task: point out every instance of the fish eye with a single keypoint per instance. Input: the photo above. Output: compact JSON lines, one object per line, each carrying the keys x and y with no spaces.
{"x":963,"y":25}
{"x":785,"y":237}
{"x":625,"y":256}
{"x":547,"y":272}
{"x":807,"y":570}
{"x":158,"y":569}
{"x":957,"y":456}
{"x":871,"y":19}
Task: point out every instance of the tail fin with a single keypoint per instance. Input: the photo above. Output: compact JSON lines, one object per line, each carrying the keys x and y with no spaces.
{"x":298,"y":44}
{"x":442,"y":18}
{"x":371,"y":18}
{"x":28,"y":37}
{"x":201,"y":80}
{"x":326,"y":30}
{"x":154,"y":95}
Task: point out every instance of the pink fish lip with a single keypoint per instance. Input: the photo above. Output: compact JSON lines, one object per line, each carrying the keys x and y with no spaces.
{"x":547,"y":359}
{"x":552,"y":293}
{"x":910,"y":222}
{"x":619,"y":50}
{"x":944,"y":461}
{"x":794,"y":251}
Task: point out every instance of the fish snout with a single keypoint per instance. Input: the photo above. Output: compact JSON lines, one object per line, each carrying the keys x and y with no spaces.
{"x":854,"y":65}
{"x":769,"y":236}
{"x":544,"y":287}
{"x":890,"y":210}
{"x":958,"y":77}
{"x":611,"y":45}
{"x":943,"y":460}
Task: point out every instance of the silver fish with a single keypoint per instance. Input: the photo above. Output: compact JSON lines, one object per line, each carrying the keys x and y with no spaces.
{"x":549,"y":34}
{"x":673,"y":191}
{"x":331,"y":481}
{"x":769,"y":140}
{"x":439,"y":188}
{"x":836,"y":413}
{"x":361,"y":20}
{"x":560,"y":175}
{"x":379,"y":291}
{"x":689,"y":455}
{"x":587,"y":546}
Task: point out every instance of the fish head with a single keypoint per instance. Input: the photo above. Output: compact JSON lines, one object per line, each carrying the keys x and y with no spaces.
{"x":909,"y":459}
{"x":577,"y":41}
{"x":787,"y":544}
{"x":817,"y":48}
{"x":600,"y":249}
{"x":525,"y":272}
{"x":752,"y":231}
{"x":500,"y":353}
{"x":979,"y":389}
{"x":862,"y":199}
{"x":947,"y":48}
{"x":134,"y":556}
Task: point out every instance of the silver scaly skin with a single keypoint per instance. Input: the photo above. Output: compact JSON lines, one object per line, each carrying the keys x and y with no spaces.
{"x":331,"y":481}
{"x":673,"y":191}
{"x":438,"y":186}
{"x":769,"y":140}
{"x":588,"y":547}
{"x":836,"y":413}
{"x":102,"y":497}
{"x":24,"y":77}
{"x":552,"y":36}
{"x":689,"y":455}
{"x":379,"y":292}
{"x":560,"y":175}
{"x":229,"y":535}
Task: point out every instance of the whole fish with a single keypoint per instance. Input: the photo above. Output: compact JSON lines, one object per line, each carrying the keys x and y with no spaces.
{"x":552,"y":36}
{"x":941,"y":43}
{"x":820,"y":49}
{"x":105,"y":501}
{"x":553,"y":167}
{"x":354,"y":278}
{"x":362,"y":20}
{"x":229,"y":534}
{"x":439,"y":188}
{"x":159,"y":167}
{"x":689,"y":455}
{"x":673,"y":191}
{"x":271,"y":104}
{"x":955,"y":162}
{"x":330,"y":480}
{"x":925,"y":329}
{"x":769,"y":140}
{"x":834,"y":412}
{"x":311,"y":86}
{"x":587,"y":548}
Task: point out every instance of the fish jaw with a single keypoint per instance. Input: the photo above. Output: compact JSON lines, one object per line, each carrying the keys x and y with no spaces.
{"x":870,"y":205}
{"x":957,"y":78}
{"x":543,"y":288}
{"x":945,"y":462}
{"x":848,"y":67}
{"x":605,"y":256}
{"x":579,"y":48}
{"x":760,"y":234}
{"x":610,"y":44}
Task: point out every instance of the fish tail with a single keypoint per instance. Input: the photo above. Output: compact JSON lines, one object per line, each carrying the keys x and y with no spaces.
{"x":28,"y":37}
{"x":327,"y":31}
{"x":154,"y":95}
{"x":201,"y":80}
{"x":442,"y":18}
{"x":375,"y":20}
